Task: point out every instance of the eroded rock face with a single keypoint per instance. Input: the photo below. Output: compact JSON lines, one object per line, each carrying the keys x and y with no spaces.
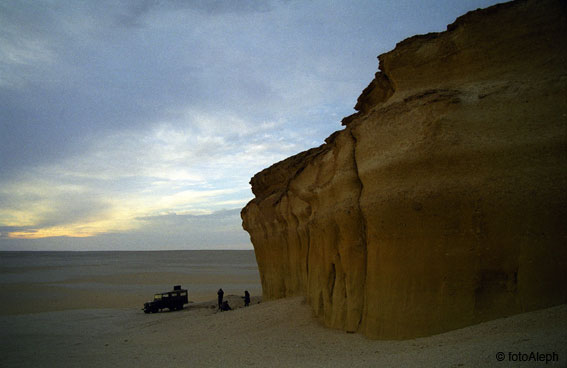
{"x":443,"y":202}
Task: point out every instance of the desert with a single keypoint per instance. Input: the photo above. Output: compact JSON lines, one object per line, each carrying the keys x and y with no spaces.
{"x":430,"y":231}
{"x":282,"y":333}
{"x":61,"y":321}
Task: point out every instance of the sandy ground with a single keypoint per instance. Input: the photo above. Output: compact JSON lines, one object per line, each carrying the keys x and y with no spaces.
{"x":280,"y":333}
{"x":36,"y":282}
{"x":117,"y":291}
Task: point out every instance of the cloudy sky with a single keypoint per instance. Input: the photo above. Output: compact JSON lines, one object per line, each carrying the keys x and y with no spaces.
{"x":137,"y":124}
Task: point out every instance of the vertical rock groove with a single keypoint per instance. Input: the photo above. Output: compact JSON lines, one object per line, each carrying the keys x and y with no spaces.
{"x":363,"y":225}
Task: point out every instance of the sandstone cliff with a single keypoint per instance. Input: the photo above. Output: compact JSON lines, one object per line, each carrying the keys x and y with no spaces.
{"x":443,"y":202}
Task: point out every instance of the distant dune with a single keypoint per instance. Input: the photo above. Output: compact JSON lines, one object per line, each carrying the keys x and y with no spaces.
{"x":442,"y":203}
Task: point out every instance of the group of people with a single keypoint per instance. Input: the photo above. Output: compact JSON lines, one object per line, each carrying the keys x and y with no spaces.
{"x":223,"y":304}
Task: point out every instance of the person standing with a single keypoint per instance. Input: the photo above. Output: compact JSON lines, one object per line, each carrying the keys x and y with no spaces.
{"x":220,"y":293}
{"x":246,"y":298}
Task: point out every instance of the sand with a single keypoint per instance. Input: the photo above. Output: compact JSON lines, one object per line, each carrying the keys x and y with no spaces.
{"x":84,"y":310}
{"x":280,"y":333}
{"x":36,"y":282}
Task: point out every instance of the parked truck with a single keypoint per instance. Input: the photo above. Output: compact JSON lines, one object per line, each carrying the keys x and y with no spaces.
{"x":172,"y":300}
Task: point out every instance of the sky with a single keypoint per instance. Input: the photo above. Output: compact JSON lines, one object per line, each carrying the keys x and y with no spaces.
{"x":137,"y":125}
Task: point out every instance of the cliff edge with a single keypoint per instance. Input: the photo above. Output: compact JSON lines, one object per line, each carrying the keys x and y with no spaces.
{"x":443,"y":202}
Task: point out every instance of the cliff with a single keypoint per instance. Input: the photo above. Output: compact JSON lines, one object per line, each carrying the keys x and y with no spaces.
{"x":443,"y":202}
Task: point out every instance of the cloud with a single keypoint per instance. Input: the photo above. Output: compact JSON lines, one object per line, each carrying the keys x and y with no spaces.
{"x":112,"y":112}
{"x":94,"y":78}
{"x":223,"y":219}
{"x":220,"y":229}
{"x":217,"y":230}
{"x":136,"y":14}
{"x":199,"y":164}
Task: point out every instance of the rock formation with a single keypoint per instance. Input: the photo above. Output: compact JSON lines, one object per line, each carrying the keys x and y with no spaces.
{"x":443,"y":202}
